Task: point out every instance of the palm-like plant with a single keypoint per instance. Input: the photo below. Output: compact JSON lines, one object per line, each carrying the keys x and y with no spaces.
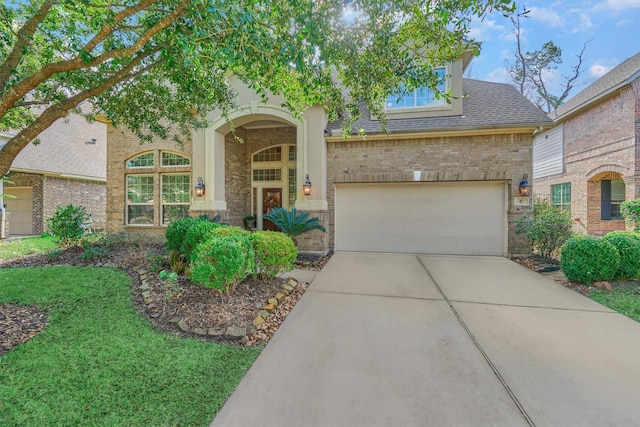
{"x":294,"y":223}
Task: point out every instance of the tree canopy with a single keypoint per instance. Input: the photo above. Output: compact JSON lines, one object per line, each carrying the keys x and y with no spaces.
{"x":158,"y":66}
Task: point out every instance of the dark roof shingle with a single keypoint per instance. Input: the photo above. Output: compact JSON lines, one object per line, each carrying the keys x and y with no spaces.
{"x":486,"y":105}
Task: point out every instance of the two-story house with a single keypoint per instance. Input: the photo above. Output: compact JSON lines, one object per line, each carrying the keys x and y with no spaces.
{"x":590,"y":161}
{"x":444,"y":178}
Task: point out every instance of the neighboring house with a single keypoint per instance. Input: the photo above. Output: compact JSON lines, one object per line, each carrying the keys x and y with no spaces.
{"x":590,"y":161}
{"x":67,"y":166}
{"x":443,"y":180}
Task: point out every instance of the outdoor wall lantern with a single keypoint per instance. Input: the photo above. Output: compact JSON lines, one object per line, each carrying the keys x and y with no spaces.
{"x":200,"y":188}
{"x":524,"y":187}
{"x":306,"y":188}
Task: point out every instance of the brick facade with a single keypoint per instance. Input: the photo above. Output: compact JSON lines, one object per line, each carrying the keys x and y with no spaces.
{"x":51,"y":192}
{"x":122,"y":146}
{"x":602,"y":142}
{"x":503,"y":158}
{"x":467,"y":158}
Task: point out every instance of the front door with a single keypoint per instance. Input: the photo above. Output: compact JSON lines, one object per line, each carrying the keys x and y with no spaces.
{"x":271,"y":198}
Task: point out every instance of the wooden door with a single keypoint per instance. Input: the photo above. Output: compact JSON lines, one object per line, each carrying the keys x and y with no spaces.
{"x":271,"y":198}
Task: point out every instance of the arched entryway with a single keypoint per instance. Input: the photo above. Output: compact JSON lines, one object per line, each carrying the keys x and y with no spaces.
{"x":605,"y":192}
{"x":273,"y":181}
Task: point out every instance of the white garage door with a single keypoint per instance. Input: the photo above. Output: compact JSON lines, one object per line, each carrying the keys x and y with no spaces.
{"x":20,"y":210}
{"x":444,"y":218}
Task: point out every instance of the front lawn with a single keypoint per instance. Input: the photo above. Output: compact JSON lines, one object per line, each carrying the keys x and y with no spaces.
{"x":30,"y":245}
{"x":99,"y":363}
{"x":623,"y":298}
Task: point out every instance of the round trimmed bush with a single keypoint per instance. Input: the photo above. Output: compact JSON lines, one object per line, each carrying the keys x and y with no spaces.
{"x":230,"y":230}
{"x":176,"y":232}
{"x":587,"y":259}
{"x":275,"y":252}
{"x":197,"y":232}
{"x":222,"y":262}
{"x":628,"y":246}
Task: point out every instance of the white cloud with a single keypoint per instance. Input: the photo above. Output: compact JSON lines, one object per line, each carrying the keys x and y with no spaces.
{"x":499,"y":75}
{"x":584,"y":23}
{"x":618,"y":5}
{"x":598,"y":70}
{"x":549,"y":17}
{"x":623,"y":22}
{"x":483,"y":30}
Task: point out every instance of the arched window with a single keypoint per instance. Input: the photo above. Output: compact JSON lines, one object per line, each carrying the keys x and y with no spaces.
{"x":158,"y":188}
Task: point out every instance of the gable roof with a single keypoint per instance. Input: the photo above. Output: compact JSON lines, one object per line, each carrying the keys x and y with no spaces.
{"x":63,"y":151}
{"x":486,"y":105}
{"x":620,"y":76}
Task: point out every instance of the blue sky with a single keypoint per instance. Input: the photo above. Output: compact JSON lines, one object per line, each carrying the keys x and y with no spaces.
{"x":613,"y":26}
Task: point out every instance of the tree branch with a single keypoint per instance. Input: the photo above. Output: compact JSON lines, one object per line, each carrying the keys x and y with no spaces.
{"x":60,"y":109}
{"x":24,"y":39}
{"x":569,"y":81}
{"x":25,"y":86}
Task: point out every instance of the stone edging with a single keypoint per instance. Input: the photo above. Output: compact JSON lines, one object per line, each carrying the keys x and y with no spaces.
{"x":271,"y":305}
{"x":231,"y":333}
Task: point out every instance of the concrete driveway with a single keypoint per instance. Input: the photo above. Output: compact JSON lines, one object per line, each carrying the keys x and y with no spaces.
{"x":421,"y":340}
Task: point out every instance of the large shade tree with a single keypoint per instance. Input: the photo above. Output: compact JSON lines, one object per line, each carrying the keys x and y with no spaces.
{"x":158,"y":66}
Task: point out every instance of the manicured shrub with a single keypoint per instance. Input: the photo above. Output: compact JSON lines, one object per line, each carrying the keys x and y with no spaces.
{"x":275,"y":253}
{"x":176,"y":232}
{"x":68,"y":224}
{"x":630,"y":211}
{"x":548,"y":229}
{"x":230,"y":230}
{"x":587,"y":259}
{"x":628,"y":246}
{"x":197,"y":232}
{"x":222,"y":262}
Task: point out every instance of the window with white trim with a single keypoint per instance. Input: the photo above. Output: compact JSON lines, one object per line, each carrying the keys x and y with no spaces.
{"x":561,"y":196}
{"x":176,"y":191}
{"x":420,"y":97}
{"x":140,"y":199}
{"x":158,"y":188}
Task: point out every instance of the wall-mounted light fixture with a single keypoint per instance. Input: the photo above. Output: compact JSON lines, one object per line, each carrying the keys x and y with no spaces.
{"x":200,"y":188}
{"x":524,"y":187}
{"x":306,"y":188}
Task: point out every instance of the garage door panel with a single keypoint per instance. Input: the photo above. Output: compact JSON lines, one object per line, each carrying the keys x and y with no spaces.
{"x":451,"y":218}
{"x":20,"y":208}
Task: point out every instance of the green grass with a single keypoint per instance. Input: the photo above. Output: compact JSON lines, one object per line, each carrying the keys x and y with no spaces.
{"x":98,"y":363}
{"x":30,"y":245}
{"x":625,"y":299}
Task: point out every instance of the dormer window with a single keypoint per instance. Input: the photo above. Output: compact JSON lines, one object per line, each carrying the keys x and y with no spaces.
{"x":419,"y":98}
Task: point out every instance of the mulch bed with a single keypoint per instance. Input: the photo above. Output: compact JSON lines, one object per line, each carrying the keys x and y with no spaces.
{"x":551,"y":269}
{"x":163,"y":303}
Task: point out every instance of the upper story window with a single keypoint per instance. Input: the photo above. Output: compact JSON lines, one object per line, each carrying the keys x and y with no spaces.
{"x":421,"y":97}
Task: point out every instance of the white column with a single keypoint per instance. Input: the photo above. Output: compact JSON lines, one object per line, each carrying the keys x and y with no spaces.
{"x":211,"y":168}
